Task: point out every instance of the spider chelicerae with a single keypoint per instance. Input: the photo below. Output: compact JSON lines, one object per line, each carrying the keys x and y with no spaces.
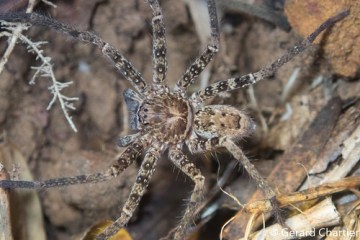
{"x":169,"y":120}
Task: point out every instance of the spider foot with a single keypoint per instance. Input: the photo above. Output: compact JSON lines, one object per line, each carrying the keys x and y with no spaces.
{"x":277,"y":212}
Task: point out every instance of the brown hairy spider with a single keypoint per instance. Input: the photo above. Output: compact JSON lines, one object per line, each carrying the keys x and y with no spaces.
{"x":169,"y":120}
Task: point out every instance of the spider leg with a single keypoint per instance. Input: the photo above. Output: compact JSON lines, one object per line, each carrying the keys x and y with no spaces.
{"x":196,"y":144}
{"x":120,"y":62}
{"x":127,"y":140}
{"x":249,"y":167}
{"x":142,"y":181}
{"x":159,"y":44}
{"x":252,"y":78}
{"x":187,"y":167}
{"x":254,"y":173}
{"x":122,"y":162}
{"x":206,"y":56}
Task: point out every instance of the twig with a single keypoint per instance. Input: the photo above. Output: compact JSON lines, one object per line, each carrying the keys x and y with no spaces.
{"x":5,"y":223}
{"x":305,"y":195}
{"x":14,"y":32}
{"x":324,"y":214}
{"x":49,"y":3}
{"x":44,"y":70}
{"x":14,"y":37}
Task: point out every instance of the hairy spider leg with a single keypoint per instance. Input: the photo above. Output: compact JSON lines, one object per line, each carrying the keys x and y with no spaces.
{"x":125,"y":159}
{"x":249,"y":167}
{"x":239,"y":155}
{"x":159,"y":45}
{"x":194,"y":70}
{"x":123,"y":65}
{"x":197,"y":144}
{"x":186,"y":166}
{"x":142,"y":181}
{"x":252,"y":78}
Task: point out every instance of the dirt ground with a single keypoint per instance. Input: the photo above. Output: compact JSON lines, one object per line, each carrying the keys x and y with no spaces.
{"x":52,"y":149}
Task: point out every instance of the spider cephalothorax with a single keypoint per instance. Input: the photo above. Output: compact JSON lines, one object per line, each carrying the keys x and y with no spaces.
{"x":168,"y":120}
{"x":167,"y":117}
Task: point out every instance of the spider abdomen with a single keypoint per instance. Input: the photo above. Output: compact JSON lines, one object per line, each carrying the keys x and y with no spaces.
{"x":221,"y":120}
{"x":165,"y":117}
